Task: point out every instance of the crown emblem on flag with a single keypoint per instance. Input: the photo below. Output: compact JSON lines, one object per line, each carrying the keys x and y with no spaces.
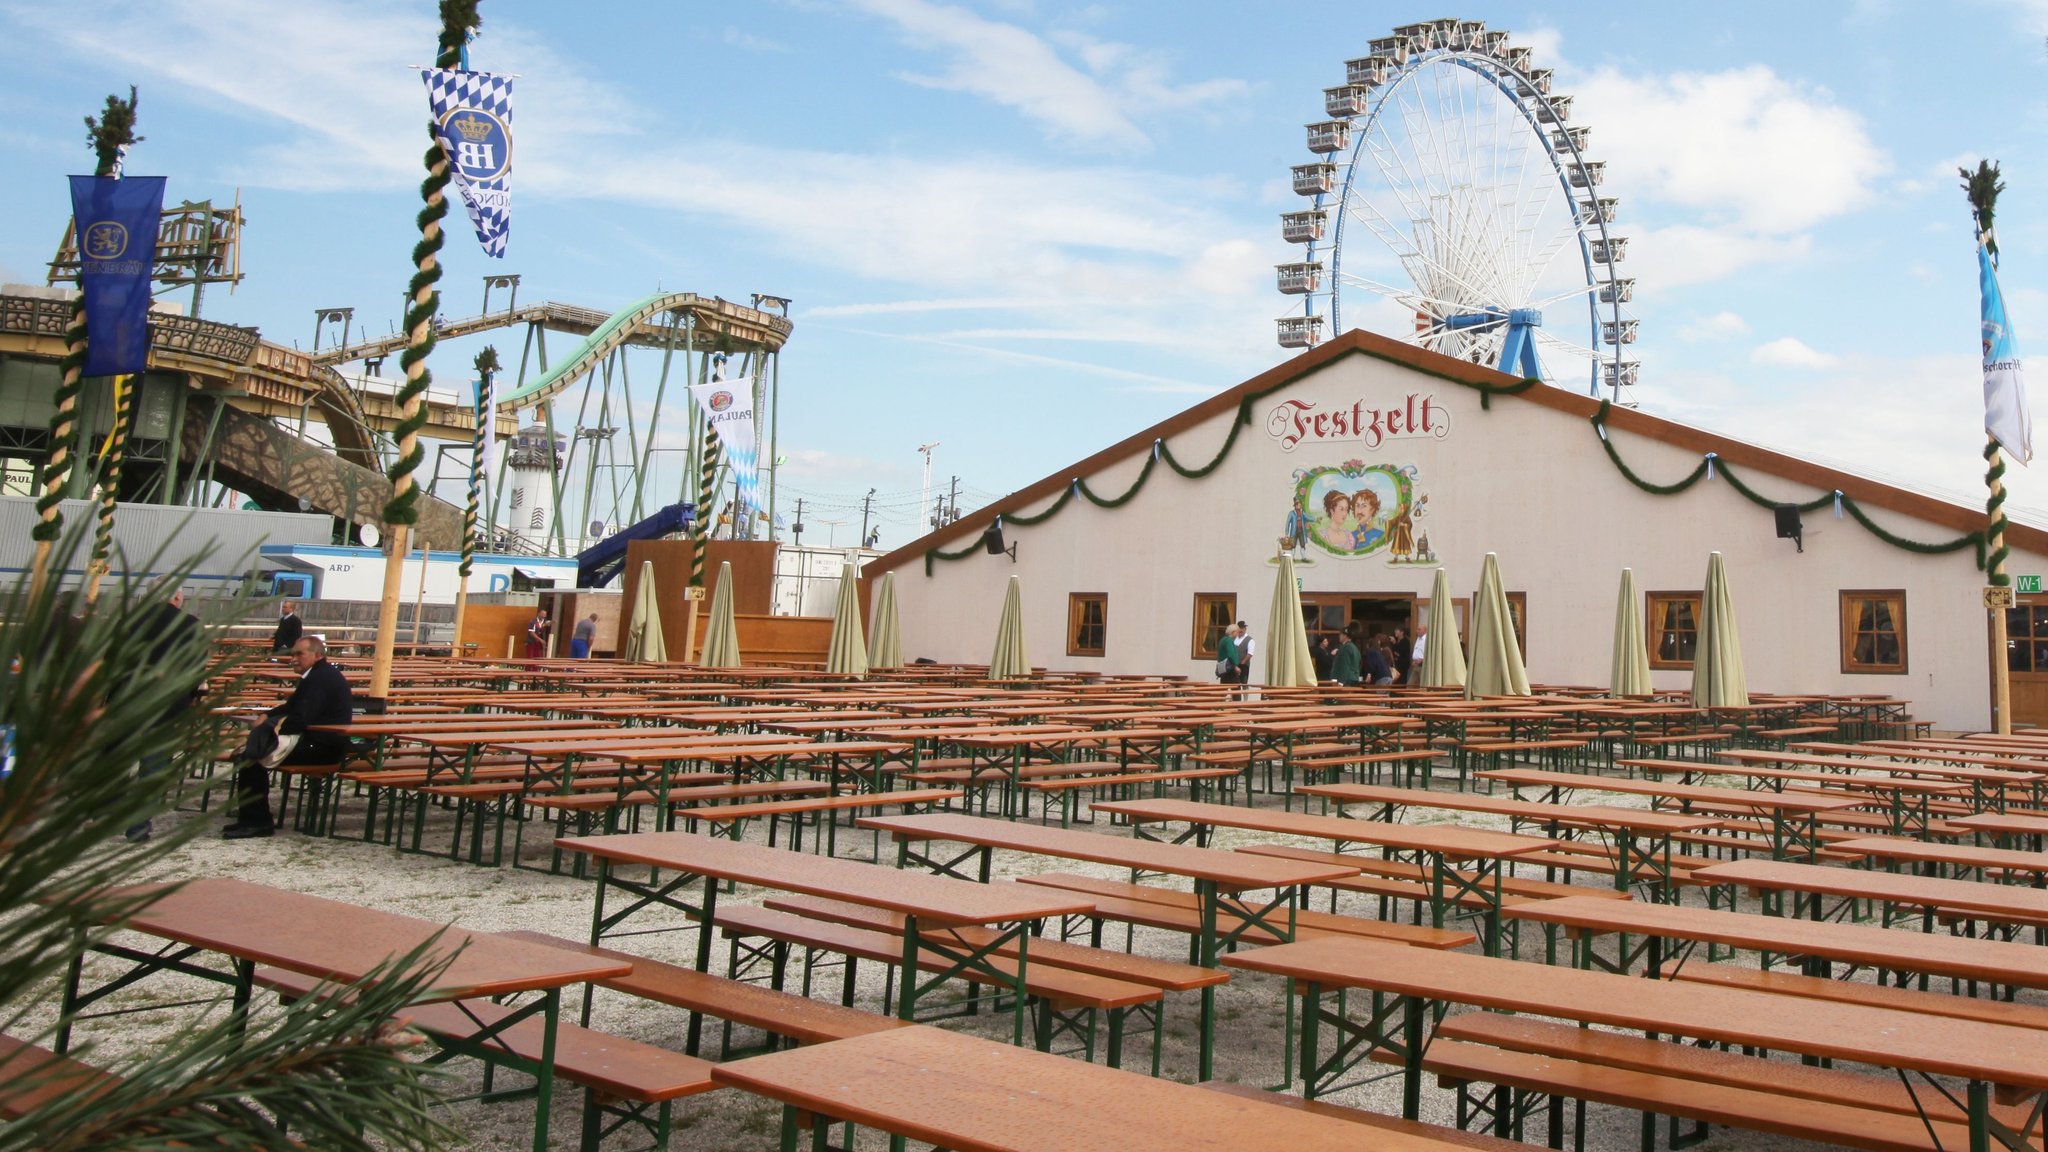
{"x":472,"y":127}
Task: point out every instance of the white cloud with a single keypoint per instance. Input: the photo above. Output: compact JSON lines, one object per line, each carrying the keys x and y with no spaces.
{"x":961,"y":304}
{"x":1719,"y":326}
{"x":1662,"y":258}
{"x":1746,"y":147}
{"x":1791,"y":352}
{"x":1019,"y":69}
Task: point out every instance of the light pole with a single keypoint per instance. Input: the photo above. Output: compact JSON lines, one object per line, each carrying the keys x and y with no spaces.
{"x":924,"y":496}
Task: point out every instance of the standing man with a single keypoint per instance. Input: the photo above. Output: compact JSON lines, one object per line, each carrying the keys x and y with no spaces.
{"x":289,"y":626}
{"x":1415,"y":655}
{"x":584,"y":637}
{"x":1404,"y":654}
{"x":176,"y":636}
{"x":1244,"y":652}
{"x":537,"y":631}
{"x":322,"y":697}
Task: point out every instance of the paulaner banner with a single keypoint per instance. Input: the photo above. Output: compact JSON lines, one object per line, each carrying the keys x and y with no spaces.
{"x":2005,"y":391}
{"x":116,"y":220}
{"x":473,"y":120}
{"x":729,"y":405}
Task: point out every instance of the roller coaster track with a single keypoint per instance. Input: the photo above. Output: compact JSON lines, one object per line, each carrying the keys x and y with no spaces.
{"x":666,"y":319}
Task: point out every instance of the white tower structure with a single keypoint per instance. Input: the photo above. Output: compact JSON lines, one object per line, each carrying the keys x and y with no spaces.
{"x":532,"y":459}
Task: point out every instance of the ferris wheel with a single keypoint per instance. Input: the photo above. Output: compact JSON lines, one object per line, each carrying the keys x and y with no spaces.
{"x":1450,"y":189}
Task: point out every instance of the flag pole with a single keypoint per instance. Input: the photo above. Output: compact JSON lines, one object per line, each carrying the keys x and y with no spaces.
{"x":458,"y":19}
{"x":486,"y":411}
{"x":111,"y":136}
{"x":1994,"y":575}
{"x":1981,"y":187}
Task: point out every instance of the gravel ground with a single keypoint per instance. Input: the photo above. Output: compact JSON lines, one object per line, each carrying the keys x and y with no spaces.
{"x":1249,"y":1015}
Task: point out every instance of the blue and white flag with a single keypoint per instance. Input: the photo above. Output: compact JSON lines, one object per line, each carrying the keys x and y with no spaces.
{"x":473,"y":120}
{"x":2006,"y":416}
{"x":116,"y":221}
{"x":729,"y":405}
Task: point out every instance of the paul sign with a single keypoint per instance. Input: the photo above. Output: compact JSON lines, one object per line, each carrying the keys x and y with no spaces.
{"x":1292,"y":422}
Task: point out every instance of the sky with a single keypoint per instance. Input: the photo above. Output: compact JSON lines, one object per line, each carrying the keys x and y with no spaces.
{"x":1025,"y":229}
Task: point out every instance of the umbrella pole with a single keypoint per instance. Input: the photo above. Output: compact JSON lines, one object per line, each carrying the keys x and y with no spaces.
{"x":694,"y":596}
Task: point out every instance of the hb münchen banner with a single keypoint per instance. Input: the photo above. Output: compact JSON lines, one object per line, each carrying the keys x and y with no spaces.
{"x":729,"y":405}
{"x":116,"y":220}
{"x":473,"y":121}
{"x":2005,"y":391}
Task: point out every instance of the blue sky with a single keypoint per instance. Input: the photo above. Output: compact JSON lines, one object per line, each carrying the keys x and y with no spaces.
{"x":1025,"y":229}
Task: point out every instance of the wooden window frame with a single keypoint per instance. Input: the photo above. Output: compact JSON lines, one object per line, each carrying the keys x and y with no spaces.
{"x":1652,"y":625}
{"x":1076,"y":602}
{"x":1849,"y":596}
{"x":1518,"y":615}
{"x":1196,"y":650}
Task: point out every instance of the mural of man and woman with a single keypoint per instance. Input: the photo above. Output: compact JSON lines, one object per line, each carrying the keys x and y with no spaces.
{"x":1355,"y":518}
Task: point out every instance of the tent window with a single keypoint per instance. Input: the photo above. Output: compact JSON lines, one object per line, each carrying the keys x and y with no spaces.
{"x":1874,"y":632}
{"x":1087,"y":624}
{"x":1674,"y":628}
{"x":1214,"y":611}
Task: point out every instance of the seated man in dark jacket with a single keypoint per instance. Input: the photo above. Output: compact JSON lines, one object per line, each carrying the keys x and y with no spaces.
{"x":322,"y":697}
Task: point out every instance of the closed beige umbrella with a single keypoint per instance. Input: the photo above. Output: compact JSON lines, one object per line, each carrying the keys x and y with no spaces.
{"x":885,"y":643}
{"x":848,"y":653}
{"x":1717,"y":677}
{"x":1287,"y":663}
{"x":1496,"y":659}
{"x":721,"y":634}
{"x":643,"y":629}
{"x":1630,"y":673}
{"x":1443,"y":653}
{"x":1010,"y":661}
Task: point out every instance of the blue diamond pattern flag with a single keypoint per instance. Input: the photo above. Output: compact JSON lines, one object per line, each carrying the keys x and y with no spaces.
{"x":473,"y":121}
{"x":116,"y":220}
{"x":729,"y":405}
{"x":2005,"y":392}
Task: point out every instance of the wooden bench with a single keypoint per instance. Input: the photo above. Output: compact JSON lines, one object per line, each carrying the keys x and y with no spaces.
{"x":1436,"y":1132}
{"x":32,"y":1077}
{"x":776,"y":1013}
{"x":1059,"y":996}
{"x":1706,"y":1085}
{"x":1165,"y":975}
{"x":1069,"y":788}
{"x":730,"y":820}
{"x":1368,"y":763}
{"x":1176,"y":911}
{"x":622,"y":1079}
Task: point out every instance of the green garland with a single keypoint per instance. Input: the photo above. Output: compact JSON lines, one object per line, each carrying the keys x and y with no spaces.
{"x":1161,"y":450}
{"x":1849,"y":505}
{"x":1994,"y":508}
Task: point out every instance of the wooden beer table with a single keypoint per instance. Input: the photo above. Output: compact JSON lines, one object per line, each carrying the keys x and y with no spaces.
{"x":1220,"y":878}
{"x":1411,"y":989}
{"x":1998,"y":904}
{"x":251,"y":924}
{"x":685,"y":871}
{"x":967,"y":1094}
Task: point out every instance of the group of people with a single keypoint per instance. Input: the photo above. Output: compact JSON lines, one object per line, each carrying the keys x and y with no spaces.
{"x":1234,"y":651}
{"x":1382,"y":659}
{"x":541,"y":627}
{"x":1350,"y":657}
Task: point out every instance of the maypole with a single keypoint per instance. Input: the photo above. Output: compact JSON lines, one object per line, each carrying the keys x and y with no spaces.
{"x":486,"y":411}
{"x":458,"y":20}
{"x":110,"y":136}
{"x":700,"y":533}
{"x":2007,"y":426}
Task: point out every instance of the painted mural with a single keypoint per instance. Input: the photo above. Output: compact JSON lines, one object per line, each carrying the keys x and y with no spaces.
{"x":1356,"y":510}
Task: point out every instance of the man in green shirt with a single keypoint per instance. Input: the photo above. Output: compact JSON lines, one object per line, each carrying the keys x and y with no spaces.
{"x":1345,"y":666}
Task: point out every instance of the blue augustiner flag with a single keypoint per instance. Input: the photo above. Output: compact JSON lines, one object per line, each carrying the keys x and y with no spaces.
{"x":473,"y":121}
{"x":2006,"y":416}
{"x":116,"y":220}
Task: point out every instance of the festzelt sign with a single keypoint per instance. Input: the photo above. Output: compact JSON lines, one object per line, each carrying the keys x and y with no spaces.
{"x":1418,"y":415}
